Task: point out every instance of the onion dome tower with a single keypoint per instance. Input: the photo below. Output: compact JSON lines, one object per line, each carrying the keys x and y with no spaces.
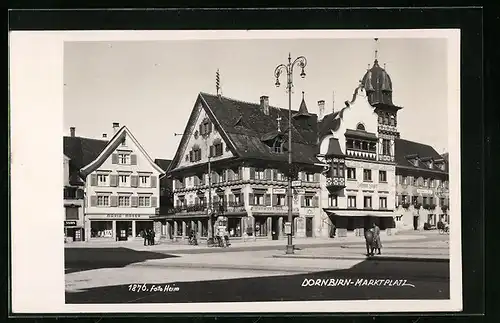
{"x":377,"y":84}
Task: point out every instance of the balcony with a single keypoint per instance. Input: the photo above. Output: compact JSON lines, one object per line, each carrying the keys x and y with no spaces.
{"x":335,"y":183}
{"x":361,"y":154}
{"x":280,"y":209}
{"x":219,"y":208}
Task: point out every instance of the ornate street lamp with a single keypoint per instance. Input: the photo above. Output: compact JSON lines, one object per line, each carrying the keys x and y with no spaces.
{"x":288,"y":68}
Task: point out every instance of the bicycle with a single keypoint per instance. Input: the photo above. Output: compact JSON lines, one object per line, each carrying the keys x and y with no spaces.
{"x":444,"y":230}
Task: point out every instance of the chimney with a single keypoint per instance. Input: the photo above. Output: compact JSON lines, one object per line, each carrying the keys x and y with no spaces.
{"x":104,"y":135}
{"x":116,"y":126}
{"x":72,"y":131}
{"x":264,"y":104}
{"x":321,"y":107}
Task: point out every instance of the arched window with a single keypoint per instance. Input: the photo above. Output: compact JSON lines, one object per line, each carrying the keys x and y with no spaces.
{"x":360,"y":126}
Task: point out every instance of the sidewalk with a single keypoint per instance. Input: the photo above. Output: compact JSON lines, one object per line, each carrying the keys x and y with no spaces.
{"x":239,"y":245}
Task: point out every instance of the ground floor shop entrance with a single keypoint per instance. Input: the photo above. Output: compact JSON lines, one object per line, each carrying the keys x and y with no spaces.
{"x":344,"y":224}
{"x":125,"y":228}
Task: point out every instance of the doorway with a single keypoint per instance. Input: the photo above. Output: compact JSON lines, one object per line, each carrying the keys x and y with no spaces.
{"x":415,"y":222}
{"x":123,"y":230}
{"x":275,"y":228}
{"x":309,"y":227}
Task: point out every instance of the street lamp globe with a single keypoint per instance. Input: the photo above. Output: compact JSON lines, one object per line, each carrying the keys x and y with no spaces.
{"x":277,"y":83}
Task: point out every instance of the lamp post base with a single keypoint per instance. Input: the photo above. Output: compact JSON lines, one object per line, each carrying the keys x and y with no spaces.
{"x":289,"y":249}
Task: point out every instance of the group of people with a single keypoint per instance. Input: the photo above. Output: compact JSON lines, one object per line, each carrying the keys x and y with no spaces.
{"x":373,"y":242}
{"x":149,"y":237}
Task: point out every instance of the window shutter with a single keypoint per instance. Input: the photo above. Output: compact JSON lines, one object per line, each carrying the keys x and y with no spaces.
{"x":113,"y":200}
{"x":267,"y":173}
{"x":211,"y":151}
{"x":230,"y":175}
{"x":153,"y":181}
{"x":93,"y":200}
{"x":133,"y":159}
{"x":316,"y":177}
{"x":201,"y":129}
{"x":302,"y":201}
{"x":268,"y":199}
{"x":113,"y":180}
{"x":315,"y":201}
{"x":79,"y":193}
{"x":242,"y":199}
{"x":252,"y":173}
{"x":134,"y":179}
{"x":93,"y":180}
{"x":196,"y":181}
{"x":114,"y":158}
{"x":240,"y":173}
{"x":191,"y":156}
{"x":231,"y":198}
{"x":134,"y":201}
{"x":250,"y":199}
{"x":221,"y":148}
{"x":275,"y":200}
{"x":154,"y":201}
{"x":275,"y":174}
{"x":209,"y":127}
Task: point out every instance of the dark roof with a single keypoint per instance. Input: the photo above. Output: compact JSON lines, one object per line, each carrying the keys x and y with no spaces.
{"x":378,"y":85}
{"x":81,"y":151}
{"x":334,"y":148}
{"x":360,"y":134}
{"x":247,"y":135}
{"x":163,"y":163}
{"x":406,"y":148}
{"x":328,"y":123}
{"x":302,"y":109}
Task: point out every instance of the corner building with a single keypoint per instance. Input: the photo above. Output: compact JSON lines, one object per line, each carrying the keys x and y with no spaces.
{"x":232,"y":163}
{"x":357,"y":143}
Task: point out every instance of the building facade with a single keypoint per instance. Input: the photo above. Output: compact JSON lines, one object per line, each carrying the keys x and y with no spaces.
{"x":121,"y":188}
{"x":422,"y":192}
{"x":357,"y":145}
{"x":231,"y":166}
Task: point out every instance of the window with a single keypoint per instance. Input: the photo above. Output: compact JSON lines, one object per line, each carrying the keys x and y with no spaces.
{"x":258,"y":199}
{"x":71,"y":213}
{"x":367,"y":175}
{"x":195,"y":155}
{"x":205,"y":127}
{"x":431,"y":200}
{"x":441,"y":201}
{"x":280,"y":199}
{"x":259,"y":174}
{"x":335,"y":170}
{"x":102,"y":200}
{"x":218,"y":149}
{"x":414,"y":200}
{"x":224,"y":175}
{"x":124,"y":159}
{"x":351,"y":173}
{"x":382,"y":176}
{"x":351,"y":201}
{"x":144,"y":181}
{"x":123,"y":200}
{"x":124,"y":180}
{"x":386,"y":144}
{"x":308,"y":201}
{"x":350,"y":143}
{"x":405,"y":199}
{"x":367,"y":202}
{"x":102,"y":180}
{"x":278,"y":146}
{"x":237,"y":199}
{"x":332,"y":200}
{"x":144,"y":201}
{"x":309,"y":177}
{"x":360,"y":126}
{"x":426,"y":182}
{"x":406,"y":180}
{"x":393,"y":120}
{"x":236,"y":175}
{"x":383,"y":203}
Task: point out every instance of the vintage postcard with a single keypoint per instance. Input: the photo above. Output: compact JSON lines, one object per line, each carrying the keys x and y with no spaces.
{"x":235,"y":171}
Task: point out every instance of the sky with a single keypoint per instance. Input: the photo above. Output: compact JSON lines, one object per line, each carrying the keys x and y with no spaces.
{"x":151,"y":86}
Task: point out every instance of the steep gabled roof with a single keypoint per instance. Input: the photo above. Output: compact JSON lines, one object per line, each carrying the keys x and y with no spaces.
{"x":244,"y":138}
{"x":163,"y":163}
{"x":406,"y":148}
{"x":81,"y":152}
{"x":111,"y":145}
{"x":334,"y":149}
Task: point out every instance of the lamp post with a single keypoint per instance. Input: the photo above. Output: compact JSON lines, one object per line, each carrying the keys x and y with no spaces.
{"x":288,"y":68}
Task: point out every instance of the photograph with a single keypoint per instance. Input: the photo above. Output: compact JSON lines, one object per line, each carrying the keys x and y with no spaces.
{"x":220,"y":169}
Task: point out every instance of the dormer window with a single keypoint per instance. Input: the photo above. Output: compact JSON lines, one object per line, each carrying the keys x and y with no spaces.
{"x":360,"y":127}
{"x":278,"y":146}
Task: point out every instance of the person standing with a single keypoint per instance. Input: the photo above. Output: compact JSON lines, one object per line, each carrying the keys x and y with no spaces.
{"x":376,"y":237}
{"x":144,"y":236}
{"x":152,"y":237}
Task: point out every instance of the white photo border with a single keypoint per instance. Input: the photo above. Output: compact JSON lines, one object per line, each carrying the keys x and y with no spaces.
{"x":36,"y":114}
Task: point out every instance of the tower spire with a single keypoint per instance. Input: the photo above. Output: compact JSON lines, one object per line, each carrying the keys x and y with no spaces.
{"x":376,"y":49}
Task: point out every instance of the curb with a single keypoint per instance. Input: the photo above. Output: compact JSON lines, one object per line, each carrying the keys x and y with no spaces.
{"x":233,"y":267}
{"x":374,"y":258}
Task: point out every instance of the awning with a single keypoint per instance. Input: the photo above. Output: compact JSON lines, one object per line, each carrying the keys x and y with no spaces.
{"x":360,"y":213}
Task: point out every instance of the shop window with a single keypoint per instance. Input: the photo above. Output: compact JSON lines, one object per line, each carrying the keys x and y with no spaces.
{"x":101,"y":229}
{"x":261,"y":226}
{"x":234,"y":227}
{"x":281,"y":199}
{"x":143,"y":226}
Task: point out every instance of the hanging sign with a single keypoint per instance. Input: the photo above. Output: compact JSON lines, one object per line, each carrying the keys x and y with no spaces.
{"x":288,"y":228}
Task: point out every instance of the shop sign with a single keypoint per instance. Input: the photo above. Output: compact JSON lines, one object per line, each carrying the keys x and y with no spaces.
{"x":424,"y":191}
{"x":288,"y":228}
{"x":124,"y":216}
{"x":279,"y":191}
{"x":70,"y":223}
{"x":272,"y":209}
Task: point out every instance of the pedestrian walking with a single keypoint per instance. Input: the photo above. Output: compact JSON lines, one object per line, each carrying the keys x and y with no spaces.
{"x":152,"y":232}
